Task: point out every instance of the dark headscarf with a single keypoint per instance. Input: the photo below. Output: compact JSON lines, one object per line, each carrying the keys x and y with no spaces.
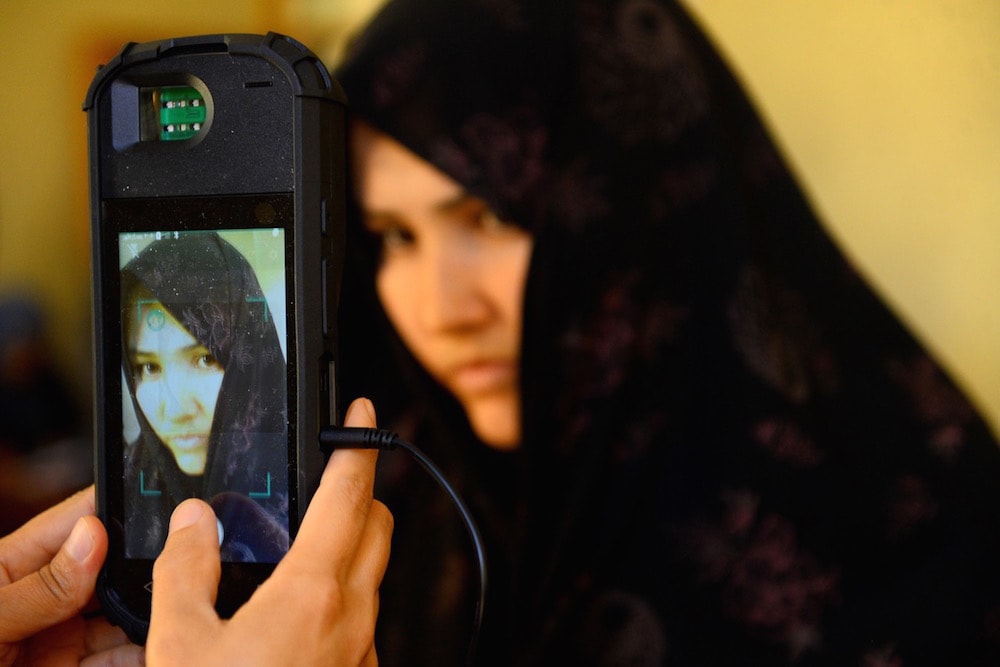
{"x":211,"y":290}
{"x":733,"y":452}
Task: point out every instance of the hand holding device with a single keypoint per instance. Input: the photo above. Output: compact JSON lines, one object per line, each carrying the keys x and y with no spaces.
{"x":319,"y":605}
{"x":48,"y":569}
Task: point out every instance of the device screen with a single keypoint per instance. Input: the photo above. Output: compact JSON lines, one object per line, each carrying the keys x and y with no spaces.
{"x":205,"y":376}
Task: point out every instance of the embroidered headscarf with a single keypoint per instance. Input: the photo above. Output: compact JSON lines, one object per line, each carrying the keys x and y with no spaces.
{"x":733,"y":452}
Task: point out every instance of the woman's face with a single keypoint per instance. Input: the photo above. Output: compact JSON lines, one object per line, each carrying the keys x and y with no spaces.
{"x":451,"y":280}
{"x":177,"y":383}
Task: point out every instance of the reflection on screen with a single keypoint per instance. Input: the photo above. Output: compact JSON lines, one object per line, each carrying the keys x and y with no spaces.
{"x":204,"y":386}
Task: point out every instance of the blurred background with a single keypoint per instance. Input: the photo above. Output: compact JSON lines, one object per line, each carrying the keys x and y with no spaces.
{"x":889,"y":111}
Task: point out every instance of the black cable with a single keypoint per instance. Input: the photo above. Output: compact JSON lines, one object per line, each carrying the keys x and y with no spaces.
{"x":373,"y":438}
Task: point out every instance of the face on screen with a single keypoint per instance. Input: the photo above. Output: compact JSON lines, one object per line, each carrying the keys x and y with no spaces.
{"x":204,"y":384}
{"x":177,"y":381}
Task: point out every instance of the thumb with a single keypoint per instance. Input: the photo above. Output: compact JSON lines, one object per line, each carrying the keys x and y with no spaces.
{"x":60,"y":588}
{"x":186,"y":574}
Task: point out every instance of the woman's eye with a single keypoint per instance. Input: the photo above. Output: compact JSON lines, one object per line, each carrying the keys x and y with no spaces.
{"x":485,"y":219}
{"x":395,"y":238}
{"x":147,"y":370}
{"x":491,"y":222}
{"x":207,"y":361}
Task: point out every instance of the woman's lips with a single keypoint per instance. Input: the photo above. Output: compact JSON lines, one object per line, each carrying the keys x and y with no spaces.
{"x":483,"y":376}
{"x":188,"y":442}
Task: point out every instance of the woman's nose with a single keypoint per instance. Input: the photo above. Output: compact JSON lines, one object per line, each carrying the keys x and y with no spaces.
{"x":452,"y":298}
{"x":177,"y":398}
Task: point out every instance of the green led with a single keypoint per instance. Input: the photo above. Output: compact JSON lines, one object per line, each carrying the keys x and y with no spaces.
{"x":182,"y":112}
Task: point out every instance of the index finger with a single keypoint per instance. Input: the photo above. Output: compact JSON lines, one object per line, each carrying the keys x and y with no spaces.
{"x":36,"y":542}
{"x":335,"y":520}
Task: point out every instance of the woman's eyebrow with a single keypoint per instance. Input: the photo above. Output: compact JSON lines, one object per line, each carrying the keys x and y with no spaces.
{"x":378,"y":221}
{"x":448,"y":203}
{"x":375,"y":219}
{"x":193,"y":347}
{"x":458,"y":201}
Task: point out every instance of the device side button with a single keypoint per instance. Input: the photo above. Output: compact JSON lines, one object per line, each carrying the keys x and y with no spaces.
{"x":324,"y":296}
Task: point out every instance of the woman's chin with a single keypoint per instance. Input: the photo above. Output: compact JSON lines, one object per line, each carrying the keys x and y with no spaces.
{"x":191,"y":464}
{"x":496,"y":420}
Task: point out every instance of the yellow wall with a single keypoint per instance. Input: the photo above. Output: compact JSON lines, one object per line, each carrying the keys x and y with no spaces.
{"x":889,"y":111}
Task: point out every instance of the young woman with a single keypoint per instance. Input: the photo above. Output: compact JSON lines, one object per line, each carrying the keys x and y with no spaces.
{"x":689,"y":430}
{"x":207,"y":383}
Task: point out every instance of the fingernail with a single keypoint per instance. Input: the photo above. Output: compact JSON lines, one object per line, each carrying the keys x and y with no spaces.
{"x":369,"y":408}
{"x":361,"y":404}
{"x":80,"y":542}
{"x":186,"y":514}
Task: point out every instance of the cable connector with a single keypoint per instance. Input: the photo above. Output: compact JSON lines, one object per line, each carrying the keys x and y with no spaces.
{"x":356,"y":437}
{"x":353,"y":437}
